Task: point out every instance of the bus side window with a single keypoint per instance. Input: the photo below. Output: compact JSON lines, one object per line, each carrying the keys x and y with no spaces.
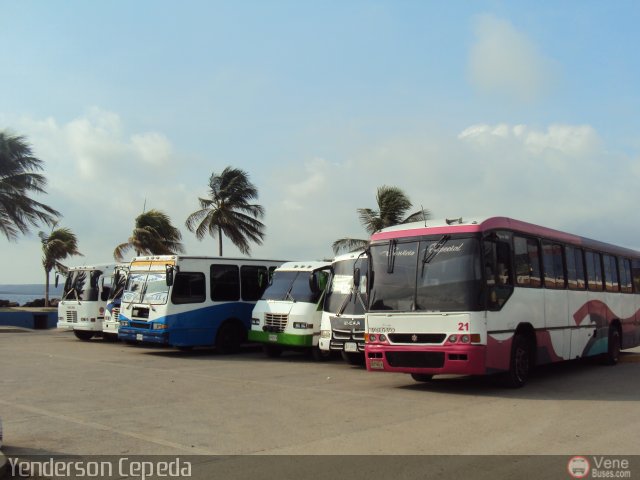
{"x":625,"y":275}
{"x":527,"y":261}
{"x":225,"y":283}
{"x":575,"y":268}
{"x":553,"y":265}
{"x":635,"y":274}
{"x":611,"y":280}
{"x":498,"y":271}
{"x":253,"y":281}
{"x":594,"y":271}
{"x":188,"y":287}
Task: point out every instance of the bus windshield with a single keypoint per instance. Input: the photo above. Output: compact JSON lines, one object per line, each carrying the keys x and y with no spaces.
{"x":82,"y":285}
{"x":341,"y":297}
{"x":147,"y":287}
{"x":293,"y":286}
{"x":118,"y":286}
{"x":435,"y":274}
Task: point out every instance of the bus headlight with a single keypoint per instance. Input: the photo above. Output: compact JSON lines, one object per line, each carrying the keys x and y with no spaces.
{"x":302,"y":325}
{"x":255,"y":321}
{"x":159,"y":326}
{"x":453,"y":338}
{"x":325,"y":333}
{"x":124,"y":323}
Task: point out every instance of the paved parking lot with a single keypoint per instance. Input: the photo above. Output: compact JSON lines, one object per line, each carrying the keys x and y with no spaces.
{"x":61,"y":396}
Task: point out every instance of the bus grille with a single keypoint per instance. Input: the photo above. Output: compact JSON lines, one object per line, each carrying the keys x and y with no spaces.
{"x":356,"y":335}
{"x":140,"y":325}
{"x":277,"y":321}
{"x":417,"y":337}
{"x":115,"y":314}
{"x":416,"y":359}
{"x":72,"y":316}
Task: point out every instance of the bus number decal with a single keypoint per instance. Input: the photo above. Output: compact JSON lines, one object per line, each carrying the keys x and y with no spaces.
{"x":463,"y":327}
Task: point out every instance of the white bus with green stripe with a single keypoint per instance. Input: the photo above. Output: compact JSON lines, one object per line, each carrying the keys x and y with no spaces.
{"x":287,"y":317}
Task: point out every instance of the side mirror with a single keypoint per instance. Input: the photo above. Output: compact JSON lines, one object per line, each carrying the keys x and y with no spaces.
{"x":313,"y":283}
{"x":169,"y":271}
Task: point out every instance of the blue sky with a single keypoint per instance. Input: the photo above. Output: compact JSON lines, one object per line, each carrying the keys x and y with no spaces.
{"x":525,"y":109}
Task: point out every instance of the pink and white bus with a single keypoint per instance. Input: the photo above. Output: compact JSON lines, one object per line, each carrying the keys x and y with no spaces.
{"x":496,"y":295}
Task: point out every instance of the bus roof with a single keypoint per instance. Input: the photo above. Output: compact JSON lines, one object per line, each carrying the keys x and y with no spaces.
{"x":177,"y":258}
{"x":482,"y":224}
{"x":303,"y":266}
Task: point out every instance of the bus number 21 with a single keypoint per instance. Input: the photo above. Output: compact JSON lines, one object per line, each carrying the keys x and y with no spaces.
{"x":463,"y":327}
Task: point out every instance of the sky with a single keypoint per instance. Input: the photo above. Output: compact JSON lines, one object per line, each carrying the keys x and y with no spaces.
{"x":527,"y":109}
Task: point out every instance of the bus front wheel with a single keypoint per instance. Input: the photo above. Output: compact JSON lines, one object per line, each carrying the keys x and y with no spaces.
{"x":520,"y":362}
{"x":83,"y":335}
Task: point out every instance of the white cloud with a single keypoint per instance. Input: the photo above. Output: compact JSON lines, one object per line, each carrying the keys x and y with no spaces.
{"x":152,"y":147}
{"x":311,"y":185}
{"x":505,"y":62}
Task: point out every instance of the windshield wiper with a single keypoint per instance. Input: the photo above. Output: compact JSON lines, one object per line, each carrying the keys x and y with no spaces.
{"x":430,"y":253}
{"x":391,"y":255}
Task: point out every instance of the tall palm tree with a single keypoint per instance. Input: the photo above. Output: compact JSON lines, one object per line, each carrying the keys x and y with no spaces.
{"x":393,"y":204}
{"x":153,"y":235}
{"x":228,"y":211}
{"x":18,"y":211}
{"x":59,"y":244}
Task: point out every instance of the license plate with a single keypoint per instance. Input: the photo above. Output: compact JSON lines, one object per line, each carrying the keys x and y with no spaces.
{"x":273,"y":337}
{"x":376,"y":364}
{"x":139,"y":337}
{"x":351,"y":347}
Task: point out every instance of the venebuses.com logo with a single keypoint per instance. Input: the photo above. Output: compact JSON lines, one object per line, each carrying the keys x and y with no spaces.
{"x":599,"y":467}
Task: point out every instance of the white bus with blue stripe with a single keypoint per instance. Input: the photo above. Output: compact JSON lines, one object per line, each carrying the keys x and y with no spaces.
{"x":186,"y":301}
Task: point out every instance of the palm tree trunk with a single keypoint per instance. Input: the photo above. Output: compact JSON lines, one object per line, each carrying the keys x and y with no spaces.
{"x":46,"y":288}
{"x":220,"y":241}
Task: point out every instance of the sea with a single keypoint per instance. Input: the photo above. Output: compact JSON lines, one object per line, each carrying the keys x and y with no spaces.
{"x":28,"y":292}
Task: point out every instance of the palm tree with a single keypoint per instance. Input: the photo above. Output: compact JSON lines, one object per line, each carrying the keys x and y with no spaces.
{"x":153,"y":235}
{"x":56,"y":246}
{"x":229,"y":212}
{"x":18,"y":212}
{"x":393,"y":204}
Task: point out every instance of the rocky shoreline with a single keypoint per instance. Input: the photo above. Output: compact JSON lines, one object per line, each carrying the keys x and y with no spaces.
{"x":37,"y":303}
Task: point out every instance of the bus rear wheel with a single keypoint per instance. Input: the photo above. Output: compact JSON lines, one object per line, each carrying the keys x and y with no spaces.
{"x":83,"y":335}
{"x":272,"y":351}
{"x":520,"y":362}
{"x":613,"y":349}
{"x":353,"y":358}
{"x":229,"y":338}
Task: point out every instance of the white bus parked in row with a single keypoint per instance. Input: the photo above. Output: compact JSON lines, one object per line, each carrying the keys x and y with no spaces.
{"x":84,"y":299}
{"x":345,"y":303}
{"x":186,"y":301}
{"x":111,"y":321}
{"x":288,"y":314}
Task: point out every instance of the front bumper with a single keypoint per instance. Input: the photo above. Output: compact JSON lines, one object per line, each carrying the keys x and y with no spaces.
{"x":286,"y":339}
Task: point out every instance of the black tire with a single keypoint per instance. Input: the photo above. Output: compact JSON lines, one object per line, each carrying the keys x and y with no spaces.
{"x":272,"y":351}
{"x":353,"y":358}
{"x":84,"y":335}
{"x":613,"y":347}
{"x":110,"y":337}
{"x":320,"y":355}
{"x":520,"y":362}
{"x":229,"y":338}
{"x":421,"y":377}
{"x":186,"y":348}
